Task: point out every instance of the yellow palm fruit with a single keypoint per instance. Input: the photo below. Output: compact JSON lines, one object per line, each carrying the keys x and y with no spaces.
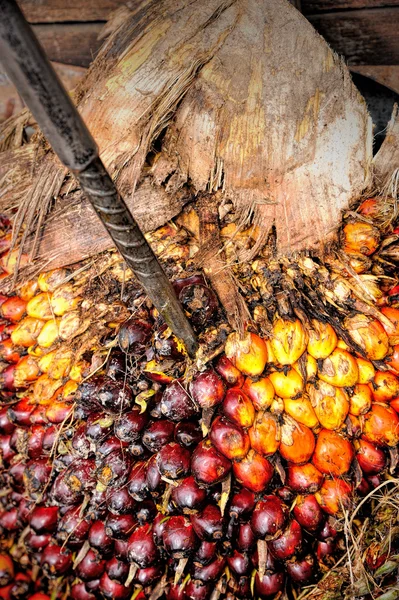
{"x":360,"y":401}
{"x":287,"y":385}
{"x":39,"y":307}
{"x":49,"y":281}
{"x":330,"y":403}
{"x":26,"y":370}
{"x":49,"y":334}
{"x":248,"y":353}
{"x":28,"y":290}
{"x":64,"y":299}
{"x":270,"y":354}
{"x":301,"y":410}
{"x":76,"y":373}
{"x":45,"y":388}
{"x":322,"y":339}
{"x":289,"y":340}
{"x":339,"y":369}
{"x":310,"y":367}
{"x":56,"y":363}
{"x":69,"y":389}
{"x":70,"y":325}
{"x":369,"y":334}
{"x":342,"y":345}
{"x":26,"y":332}
{"x":366,"y":370}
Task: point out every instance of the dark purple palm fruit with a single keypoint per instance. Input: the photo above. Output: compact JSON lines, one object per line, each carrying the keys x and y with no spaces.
{"x":93,"y":586}
{"x":110,"y":444}
{"x":55,"y":561}
{"x":176,"y":404}
{"x":167,"y":345}
{"x":208,"y":524}
{"x":91,"y":567}
{"x":149,"y":576}
{"x":173,"y":461}
{"x":114,"y":468}
{"x":99,"y":539}
{"x":269,"y":585}
{"x":207,"y":389}
{"x":146,"y":512}
{"x":205,"y":553}
{"x":6,"y":424}
{"x":72,"y":484}
{"x":242,"y":504}
{"x":73,"y":527}
{"x":98,"y":426}
{"x":178,"y":537}
{"x":117,"y":570}
{"x":197,"y":590}
{"x":188,"y":495}
{"x":301,"y":570}
{"x":25,"y":508}
{"x":34,"y":445}
{"x":36,"y":543}
{"x":208,"y":465}
{"x":137,"y":484}
{"x":138,"y":450}
{"x":43,"y":519}
{"x":36,"y":477}
{"x":116,"y":365}
{"x":16,"y":472}
{"x":288,"y":543}
{"x":9,"y":521}
{"x":325,"y":550}
{"x":308,"y":513}
{"x":96,"y":508}
{"x":158,"y":527}
{"x":129,"y":426}
{"x":328,"y":531}
{"x":6,"y":452}
{"x":155,"y":484}
{"x":199,"y":302}
{"x":119,"y":501}
{"x":112,"y":590}
{"x":142,"y":549}
{"x":158,"y":434}
{"x":210,"y":572}
{"x":115,"y":397}
{"x":134,"y":335}
{"x":269,"y":518}
{"x":86,"y":394}
{"x":188,"y":434}
{"x":239,"y":563}
{"x":79,"y":592}
{"x":81,"y":443}
{"x":119,"y":527}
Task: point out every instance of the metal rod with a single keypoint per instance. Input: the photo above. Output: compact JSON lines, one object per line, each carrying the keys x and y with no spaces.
{"x":35,"y":79}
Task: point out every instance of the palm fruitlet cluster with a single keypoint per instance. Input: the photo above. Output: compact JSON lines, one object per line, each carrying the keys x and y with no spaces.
{"x":130,"y":471}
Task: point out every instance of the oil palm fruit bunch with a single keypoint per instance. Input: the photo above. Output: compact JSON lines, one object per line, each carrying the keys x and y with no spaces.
{"x":130,"y":471}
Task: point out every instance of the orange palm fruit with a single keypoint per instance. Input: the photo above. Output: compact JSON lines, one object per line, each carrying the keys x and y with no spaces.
{"x":339,"y":369}
{"x":361,"y":237}
{"x":301,"y":410}
{"x":69,"y":389}
{"x":393,"y":315}
{"x":369,"y":334}
{"x":39,"y":307}
{"x":49,"y":333}
{"x":289,"y":340}
{"x":395,"y":404}
{"x":26,"y":332}
{"x":287,"y":385}
{"x":393,"y":359}
{"x":310,"y":367}
{"x":333,"y":454}
{"x":248,"y":354}
{"x":264,"y":434}
{"x":358,"y":262}
{"x":334,"y":496}
{"x":261,"y":392}
{"x":230,"y":374}
{"x":381,"y":426}
{"x":56,"y":363}
{"x":297,"y":442}
{"x":28,"y":290}
{"x":330,"y":403}
{"x":361,"y":399}
{"x":372,"y":460}
{"x":8,"y":351}
{"x":44,"y":388}
{"x":253,"y":472}
{"x":13,"y":309}
{"x":58,"y":411}
{"x":322,"y":339}
{"x":366,"y":370}
{"x":304,"y":478}
{"x":385,"y":386}
{"x":354,"y":426}
{"x":369,"y":207}
{"x":26,"y":370}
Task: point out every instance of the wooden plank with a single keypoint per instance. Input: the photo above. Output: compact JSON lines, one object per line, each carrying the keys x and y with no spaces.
{"x":72,"y":44}
{"x":386,"y":74}
{"x":362,"y":36}
{"x":316,"y":6}
{"x":55,"y":11}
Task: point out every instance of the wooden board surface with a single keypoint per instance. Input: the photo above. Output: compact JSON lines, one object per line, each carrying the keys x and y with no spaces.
{"x":53,"y":11}
{"x":386,"y":74}
{"x":72,"y":43}
{"x":315,"y":6}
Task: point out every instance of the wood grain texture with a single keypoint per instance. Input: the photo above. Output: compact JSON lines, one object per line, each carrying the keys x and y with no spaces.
{"x":315,"y":6}
{"x":362,"y":36}
{"x":386,"y":74}
{"x":55,"y":11}
{"x":72,"y":44}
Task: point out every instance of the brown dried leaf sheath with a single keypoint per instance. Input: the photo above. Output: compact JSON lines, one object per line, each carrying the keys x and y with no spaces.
{"x":251,"y":101}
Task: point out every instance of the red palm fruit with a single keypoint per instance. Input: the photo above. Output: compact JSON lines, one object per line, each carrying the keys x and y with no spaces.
{"x":254,"y":472}
{"x":120,"y":527}
{"x":13,"y":309}
{"x":381,"y":426}
{"x":229,"y":439}
{"x":134,"y":335}
{"x":371,"y":459}
{"x":196,"y":590}
{"x":34,"y":447}
{"x":173,"y":461}
{"x":55,"y":560}
{"x":6,"y":452}
{"x":16,"y":471}
{"x":205,"y":553}
{"x":369,"y":207}
{"x":239,"y":563}
{"x":119,"y":501}
{"x":264,"y":434}
{"x":142,"y":549}
{"x":325,"y":550}
{"x":304,"y":478}
{"x":269,"y":517}
{"x":21,"y":587}
{"x":92,"y":586}
{"x":176,"y":592}
{"x":43,"y":519}
{"x":111,"y":590}
{"x":158,"y":434}
{"x":8,"y":351}
{"x":208,"y":525}
{"x":297,"y":442}
{"x":137,"y":484}
{"x":114,"y":468}
{"x":207,"y":389}
{"x":210,"y":572}
{"x":301,"y":570}
{"x":333,"y":454}
{"x":178,"y":537}
{"x":242,"y":503}
{"x":308,"y":513}
{"x":208,"y":465}
{"x":99,"y":539}
{"x":288,"y":543}
{"x":58,"y":412}
{"x":188,"y":495}
{"x":91,"y":567}
{"x":269,"y":585}
{"x":6,"y":425}
{"x":334,"y":496}
{"x":120,"y":549}
{"x":364,"y":487}
{"x":158,"y":527}
{"x":20,"y":413}
{"x":110,"y":444}
{"x":49,"y":438}
{"x":117,"y":570}
{"x":7,"y":379}
{"x":374,"y":480}
{"x":36,"y":477}
{"x":238,"y":408}
{"x":231,"y":375}
{"x":248,"y":353}
{"x":39,"y":596}
{"x":73,"y":527}
{"x":148,"y":576}
{"x":79,"y":592}
{"x":188,"y":434}
{"x":245,"y":537}
{"x":72,"y":484}
{"x":176,"y":404}
{"x":328,"y":532}
{"x":261,"y":392}
{"x":385,"y":386}
{"x":146,"y":512}
{"x":36,"y":543}
{"x":129,"y":426}
{"x":154,"y":482}
{"x":285,"y":493}
{"x":6,"y":570}
{"x":115,"y":397}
